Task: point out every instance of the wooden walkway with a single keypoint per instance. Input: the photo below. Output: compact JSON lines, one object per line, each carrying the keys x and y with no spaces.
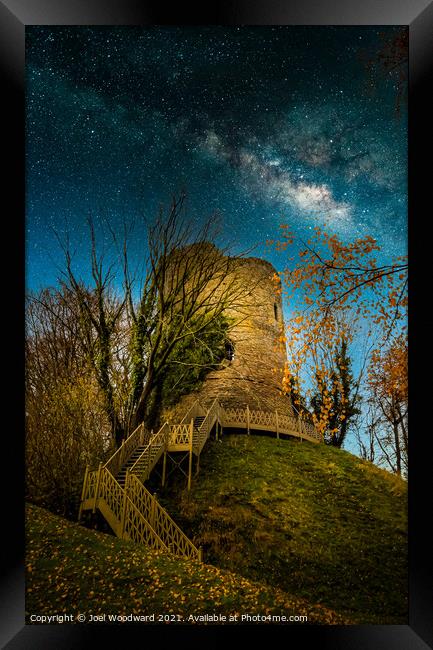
{"x":116,"y":489}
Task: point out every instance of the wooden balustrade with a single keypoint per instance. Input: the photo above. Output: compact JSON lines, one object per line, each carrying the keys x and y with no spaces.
{"x":194,"y":411}
{"x":152,"y":453}
{"x":250,"y":419}
{"x":164,"y":526}
{"x":132,"y":511}
{"x":128,"y":446}
{"x":202,"y":434}
{"x":179,"y":435}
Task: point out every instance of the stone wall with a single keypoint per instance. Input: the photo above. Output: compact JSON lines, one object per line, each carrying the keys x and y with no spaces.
{"x":254,"y":376}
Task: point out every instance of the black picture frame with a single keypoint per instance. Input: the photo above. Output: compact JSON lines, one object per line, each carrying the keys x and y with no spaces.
{"x":15,"y":15}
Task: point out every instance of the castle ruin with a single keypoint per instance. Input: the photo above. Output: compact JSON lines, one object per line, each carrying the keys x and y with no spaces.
{"x":252,"y":372}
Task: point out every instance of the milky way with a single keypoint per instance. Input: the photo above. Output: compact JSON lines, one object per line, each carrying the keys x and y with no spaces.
{"x":261,"y":125}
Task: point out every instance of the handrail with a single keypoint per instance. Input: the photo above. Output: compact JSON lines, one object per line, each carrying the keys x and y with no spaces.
{"x":200,"y":439}
{"x":137,"y":513}
{"x":180,"y":434}
{"x":127,"y":522}
{"x":303,"y":427}
{"x":192,"y":412}
{"x":161,"y":435}
{"x":121,"y":455}
{"x":210,"y":410}
{"x":164,"y":525}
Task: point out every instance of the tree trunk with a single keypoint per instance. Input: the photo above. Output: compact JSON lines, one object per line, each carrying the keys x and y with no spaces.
{"x":395,"y":420}
{"x":140,"y":410}
{"x":397,"y":447}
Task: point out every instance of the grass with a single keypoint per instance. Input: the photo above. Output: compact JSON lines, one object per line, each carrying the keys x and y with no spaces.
{"x":286,"y":527}
{"x":71,"y":569}
{"x":307,"y":519}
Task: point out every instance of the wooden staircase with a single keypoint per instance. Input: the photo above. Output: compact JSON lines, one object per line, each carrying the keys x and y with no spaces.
{"x":117,"y":488}
{"x":121,"y":476}
{"x":198,"y":421}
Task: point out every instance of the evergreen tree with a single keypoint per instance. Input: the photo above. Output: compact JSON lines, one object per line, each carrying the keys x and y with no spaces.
{"x":338,"y":397}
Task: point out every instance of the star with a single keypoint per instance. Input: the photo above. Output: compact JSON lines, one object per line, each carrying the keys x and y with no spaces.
{"x":252,"y":122}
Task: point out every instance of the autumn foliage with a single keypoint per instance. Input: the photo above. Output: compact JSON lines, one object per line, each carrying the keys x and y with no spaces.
{"x":338,"y":294}
{"x":388,"y":383}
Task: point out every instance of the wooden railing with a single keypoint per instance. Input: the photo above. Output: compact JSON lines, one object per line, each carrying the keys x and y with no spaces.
{"x":194,"y":411}
{"x":164,"y":526}
{"x":202,"y":433}
{"x":247,"y":418}
{"x":152,"y":453}
{"x":128,"y":446}
{"x":306,"y":427}
{"x":134,"y":513}
{"x":180,"y":434}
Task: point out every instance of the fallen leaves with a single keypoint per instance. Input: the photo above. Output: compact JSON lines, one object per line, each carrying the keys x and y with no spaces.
{"x":136,"y":579}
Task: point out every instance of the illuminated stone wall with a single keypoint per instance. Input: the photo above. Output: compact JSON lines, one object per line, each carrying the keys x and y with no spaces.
{"x":254,"y":376}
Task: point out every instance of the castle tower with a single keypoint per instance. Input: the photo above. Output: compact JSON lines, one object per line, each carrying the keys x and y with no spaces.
{"x":252,"y":373}
{"x":253,"y":369}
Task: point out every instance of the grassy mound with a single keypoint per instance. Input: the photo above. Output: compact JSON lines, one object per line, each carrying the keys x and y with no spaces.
{"x":75,"y":570}
{"x":308,"y":519}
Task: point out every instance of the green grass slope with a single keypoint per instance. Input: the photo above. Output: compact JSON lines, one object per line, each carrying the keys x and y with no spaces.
{"x":73,"y":570}
{"x":308,"y":519}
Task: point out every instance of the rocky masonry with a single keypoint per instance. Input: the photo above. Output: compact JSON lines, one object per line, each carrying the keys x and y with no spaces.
{"x":253,"y":370}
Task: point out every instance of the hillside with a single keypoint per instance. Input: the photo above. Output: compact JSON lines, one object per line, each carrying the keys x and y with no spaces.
{"x":311,"y":520}
{"x":70,"y":569}
{"x":289,"y":527}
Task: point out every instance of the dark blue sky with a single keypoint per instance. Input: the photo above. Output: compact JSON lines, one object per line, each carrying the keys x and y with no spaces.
{"x":262,"y":125}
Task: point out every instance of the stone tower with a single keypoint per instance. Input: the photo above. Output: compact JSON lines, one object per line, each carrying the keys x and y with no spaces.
{"x":252,"y":373}
{"x":253,"y":370}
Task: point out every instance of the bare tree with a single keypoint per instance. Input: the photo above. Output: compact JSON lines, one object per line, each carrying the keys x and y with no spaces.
{"x":388,"y":382}
{"x":189,"y":286}
{"x":66,"y":426}
{"x":129,"y":328}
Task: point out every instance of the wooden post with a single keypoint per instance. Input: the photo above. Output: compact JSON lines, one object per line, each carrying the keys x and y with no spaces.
{"x":276,"y":422}
{"x":122,"y":453}
{"x":200,"y":554}
{"x":98,"y":478}
{"x":83,"y":492}
{"x":248,"y":420}
{"x":124,"y":503}
{"x":164,"y":467}
{"x":191,"y":433}
{"x":216,"y":430}
{"x":153,"y":512}
{"x":300,"y":425}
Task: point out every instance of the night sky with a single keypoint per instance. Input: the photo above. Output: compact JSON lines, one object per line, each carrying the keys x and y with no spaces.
{"x":262,"y":125}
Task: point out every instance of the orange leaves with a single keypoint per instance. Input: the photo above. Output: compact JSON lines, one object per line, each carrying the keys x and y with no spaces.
{"x":332,"y":276}
{"x":388,"y":371}
{"x":337,"y":290}
{"x":330,"y":273}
